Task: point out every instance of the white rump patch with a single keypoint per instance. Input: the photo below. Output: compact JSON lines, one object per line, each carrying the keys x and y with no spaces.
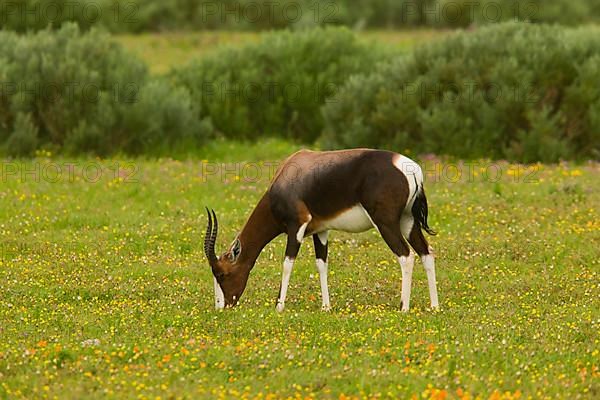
{"x":352,"y":220}
{"x":413,"y":174}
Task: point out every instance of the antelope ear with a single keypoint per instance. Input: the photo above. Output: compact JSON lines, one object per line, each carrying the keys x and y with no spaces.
{"x":236,"y":249}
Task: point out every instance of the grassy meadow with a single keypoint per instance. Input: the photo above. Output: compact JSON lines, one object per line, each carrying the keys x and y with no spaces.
{"x":106,"y":292}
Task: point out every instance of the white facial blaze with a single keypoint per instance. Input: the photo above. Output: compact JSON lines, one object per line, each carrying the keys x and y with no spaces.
{"x":219,"y":296}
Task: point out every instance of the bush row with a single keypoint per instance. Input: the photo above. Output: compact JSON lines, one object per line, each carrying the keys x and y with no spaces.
{"x":277,"y":86}
{"x":83,"y":93}
{"x":158,"y":15}
{"x":518,"y":91}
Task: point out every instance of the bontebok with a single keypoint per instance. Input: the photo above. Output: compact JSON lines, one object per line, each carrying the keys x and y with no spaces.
{"x":315,"y":192}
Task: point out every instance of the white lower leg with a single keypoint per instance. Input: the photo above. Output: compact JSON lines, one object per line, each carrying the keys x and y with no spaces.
{"x":288,"y":265}
{"x":406,"y":264}
{"x":322,"y":268}
{"x":429,"y":264}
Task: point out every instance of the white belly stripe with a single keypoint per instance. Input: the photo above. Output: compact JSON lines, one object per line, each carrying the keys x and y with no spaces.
{"x":353,"y":220}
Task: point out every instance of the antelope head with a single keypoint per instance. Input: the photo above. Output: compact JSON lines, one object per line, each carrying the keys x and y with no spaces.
{"x":230,"y":275}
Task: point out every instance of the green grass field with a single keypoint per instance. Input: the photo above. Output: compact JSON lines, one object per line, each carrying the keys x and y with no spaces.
{"x":106,"y":292}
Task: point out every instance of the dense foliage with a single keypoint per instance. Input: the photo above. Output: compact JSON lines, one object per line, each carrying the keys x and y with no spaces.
{"x":159,"y":15}
{"x":519,"y":91}
{"x":276,"y":86}
{"x":83,"y":93}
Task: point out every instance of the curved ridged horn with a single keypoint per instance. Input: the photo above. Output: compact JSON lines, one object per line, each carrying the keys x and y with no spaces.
{"x":210,"y":237}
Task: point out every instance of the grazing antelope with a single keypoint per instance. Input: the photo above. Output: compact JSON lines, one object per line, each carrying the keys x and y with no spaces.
{"x":314,"y":192}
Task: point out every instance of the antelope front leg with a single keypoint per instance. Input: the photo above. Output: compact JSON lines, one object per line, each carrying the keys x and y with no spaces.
{"x":291,"y":251}
{"x":407,"y":264}
{"x":288,"y":265}
{"x":320,"y":241}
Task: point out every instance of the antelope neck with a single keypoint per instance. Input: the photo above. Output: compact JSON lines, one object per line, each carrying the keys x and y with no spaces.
{"x":260,"y":229}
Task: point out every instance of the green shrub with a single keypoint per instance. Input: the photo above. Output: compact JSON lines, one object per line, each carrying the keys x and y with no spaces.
{"x":519,"y":91}
{"x":24,"y":139}
{"x":165,"y":117}
{"x":277,"y":86}
{"x":83,"y":92}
